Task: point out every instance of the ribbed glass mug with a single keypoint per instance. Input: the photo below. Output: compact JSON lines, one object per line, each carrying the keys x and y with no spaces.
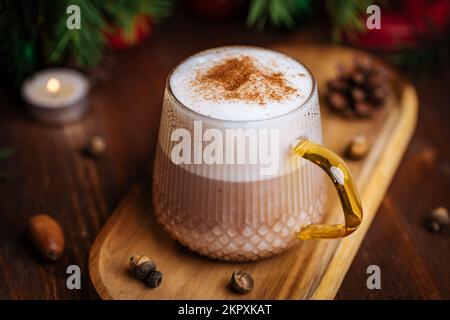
{"x":233,"y":211}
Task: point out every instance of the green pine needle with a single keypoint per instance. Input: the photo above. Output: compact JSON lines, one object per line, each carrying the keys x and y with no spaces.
{"x":281,"y":13}
{"x":84,"y":45}
{"x":346,"y":16}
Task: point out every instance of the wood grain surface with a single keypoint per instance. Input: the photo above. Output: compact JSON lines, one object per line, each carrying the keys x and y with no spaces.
{"x":50,"y":175}
{"x":312,"y":269}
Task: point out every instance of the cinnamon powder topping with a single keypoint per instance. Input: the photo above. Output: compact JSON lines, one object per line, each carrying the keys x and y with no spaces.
{"x":240,"y":79}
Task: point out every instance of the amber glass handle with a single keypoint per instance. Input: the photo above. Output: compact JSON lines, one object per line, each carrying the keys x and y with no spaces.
{"x":339,"y":173}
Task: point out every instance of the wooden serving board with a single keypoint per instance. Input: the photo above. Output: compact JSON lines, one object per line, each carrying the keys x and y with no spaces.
{"x":311,"y":269}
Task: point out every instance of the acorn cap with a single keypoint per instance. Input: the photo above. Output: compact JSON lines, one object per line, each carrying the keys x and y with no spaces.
{"x":137,"y":260}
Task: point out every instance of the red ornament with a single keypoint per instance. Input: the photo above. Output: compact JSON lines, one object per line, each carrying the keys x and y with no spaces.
{"x":216,"y":8}
{"x":118,"y":39}
{"x":404,"y":29}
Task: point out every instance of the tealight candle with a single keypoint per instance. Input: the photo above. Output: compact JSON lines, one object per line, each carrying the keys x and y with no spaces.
{"x":56,"y":95}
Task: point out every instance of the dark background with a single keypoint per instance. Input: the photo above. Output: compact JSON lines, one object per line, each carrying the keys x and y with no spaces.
{"x":51,"y":175}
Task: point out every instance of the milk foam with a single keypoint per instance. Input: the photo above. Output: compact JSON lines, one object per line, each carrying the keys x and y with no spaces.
{"x":182,"y":83}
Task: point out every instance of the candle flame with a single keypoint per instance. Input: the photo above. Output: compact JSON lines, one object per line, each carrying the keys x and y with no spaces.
{"x":53,"y":86}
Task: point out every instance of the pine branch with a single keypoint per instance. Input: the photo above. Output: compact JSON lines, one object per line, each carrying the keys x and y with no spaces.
{"x":84,"y":45}
{"x":34,"y":33}
{"x":346,"y":16}
{"x":277,"y":12}
{"x":124,"y":12}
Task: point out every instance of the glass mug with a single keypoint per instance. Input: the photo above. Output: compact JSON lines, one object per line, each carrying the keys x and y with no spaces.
{"x":233,"y":211}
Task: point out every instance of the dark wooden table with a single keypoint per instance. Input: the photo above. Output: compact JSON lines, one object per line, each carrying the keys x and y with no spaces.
{"x":50,"y":174}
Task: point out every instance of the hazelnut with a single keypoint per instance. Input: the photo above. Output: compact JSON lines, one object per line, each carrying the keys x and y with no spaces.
{"x":46,"y":236}
{"x":96,"y":146}
{"x":357,"y":148}
{"x":440,"y":215}
{"x":437,"y":220}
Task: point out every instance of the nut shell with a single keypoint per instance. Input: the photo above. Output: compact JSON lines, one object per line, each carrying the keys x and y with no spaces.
{"x":357,"y":148}
{"x":46,"y":236}
{"x":96,"y":146}
{"x":241,"y":281}
{"x":441,"y":216}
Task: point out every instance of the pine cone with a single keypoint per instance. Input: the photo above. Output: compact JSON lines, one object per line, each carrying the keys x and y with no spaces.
{"x":359,"y":91}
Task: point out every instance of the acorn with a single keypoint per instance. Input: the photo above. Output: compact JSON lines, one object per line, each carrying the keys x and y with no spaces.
{"x":141,"y":266}
{"x":46,"y":236}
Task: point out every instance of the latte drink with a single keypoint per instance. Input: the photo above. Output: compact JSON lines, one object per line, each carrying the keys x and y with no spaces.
{"x":229,"y":203}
